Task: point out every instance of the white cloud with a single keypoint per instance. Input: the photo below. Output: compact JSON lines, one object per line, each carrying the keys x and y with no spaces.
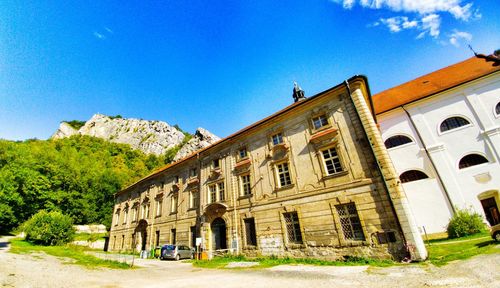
{"x":457,"y":36}
{"x":422,"y":7}
{"x":396,"y":24}
{"x":109,"y":30}
{"x":431,"y":23}
{"x":99,"y":36}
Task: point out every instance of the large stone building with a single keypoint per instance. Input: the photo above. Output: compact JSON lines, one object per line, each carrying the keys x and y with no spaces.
{"x":442,"y":131}
{"x":312,"y":180}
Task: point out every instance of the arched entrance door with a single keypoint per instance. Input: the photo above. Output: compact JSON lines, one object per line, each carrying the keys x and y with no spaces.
{"x":218,"y":228}
{"x":141,"y":230}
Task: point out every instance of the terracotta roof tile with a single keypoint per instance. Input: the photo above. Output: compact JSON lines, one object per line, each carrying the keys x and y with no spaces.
{"x":435,"y":82}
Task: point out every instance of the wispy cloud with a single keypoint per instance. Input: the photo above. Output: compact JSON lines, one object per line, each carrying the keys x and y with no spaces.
{"x":99,"y":36}
{"x":426,"y":14}
{"x":103,"y":34}
{"x":459,"y":36}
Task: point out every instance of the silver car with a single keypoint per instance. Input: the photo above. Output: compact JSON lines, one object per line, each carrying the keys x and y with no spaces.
{"x":176,"y":252}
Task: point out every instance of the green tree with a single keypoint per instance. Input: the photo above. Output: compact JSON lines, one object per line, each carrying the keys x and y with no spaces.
{"x":49,"y":228}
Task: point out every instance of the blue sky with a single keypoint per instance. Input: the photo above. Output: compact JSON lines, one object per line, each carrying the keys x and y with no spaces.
{"x":221,"y":65}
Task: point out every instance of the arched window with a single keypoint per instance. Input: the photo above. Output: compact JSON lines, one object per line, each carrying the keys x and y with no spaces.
{"x":396,"y":141}
{"x":471,"y":160}
{"x":453,"y":123}
{"x":412,"y":175}
{"x":497,"y":109}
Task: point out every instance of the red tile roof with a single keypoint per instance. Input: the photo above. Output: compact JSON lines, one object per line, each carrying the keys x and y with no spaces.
{"x":435,"y":82}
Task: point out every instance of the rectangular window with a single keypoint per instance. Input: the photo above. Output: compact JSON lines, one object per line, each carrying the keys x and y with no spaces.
{"x":246,"y":188}
{"x":277,"y":138}
{"x":157,"y":243}
{"x":213,"y":193}
{"x":193,"y":236}
{"x":349,"y":221}
{"x":125,"y":216}
{"x":134,"y":214}
{"x":293,"y":227}
{"x":173,"y":203}
{"x":216,"y":164}
{"x":251,"y":237}
{"x":117,"y":217}
{"x":158,"y":207}
{"x":194,"y":201}
{"x":193,"y":172}
{"x":332,"y":161}
{"x":283,"y":174}
{"x":319,"y":121}
{"x":145,"y":211}
{"x":242,"y":153}
{"x":123,"y":241}
{"x":220,"y":186}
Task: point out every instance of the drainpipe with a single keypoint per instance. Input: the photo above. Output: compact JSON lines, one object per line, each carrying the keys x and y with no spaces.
{"x":393,"y":208}
{"x":430,"y":159}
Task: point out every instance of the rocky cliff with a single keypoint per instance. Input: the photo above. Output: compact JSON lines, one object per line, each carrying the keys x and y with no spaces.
{"x":151,"y":137}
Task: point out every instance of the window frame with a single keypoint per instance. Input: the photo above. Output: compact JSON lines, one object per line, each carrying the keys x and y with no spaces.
{"x":174,"y":203}
{"x":158,"y":206}
{"x":239,"y":153}
{"x":194,"y":199}
{"x":324,"y":161}
{"x":250,"y":240}
{"x":279,"y":137}
{"x":472,"y":154}
{"x":125,"y":216}
{"x":440,"y":132}
{"x":413,"y":170}
{"x":243,"y":183}
{"x":319,"y":116}
{"x":400,"y":145}
{"x":296,"y":227}
{"x":278,"y":174}
{"x":348,"y":217}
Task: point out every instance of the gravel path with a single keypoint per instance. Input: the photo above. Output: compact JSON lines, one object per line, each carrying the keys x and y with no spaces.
{"x":40,"y":270}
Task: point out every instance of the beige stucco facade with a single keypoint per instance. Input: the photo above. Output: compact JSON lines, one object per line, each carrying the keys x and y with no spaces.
{"x":312,"y":180}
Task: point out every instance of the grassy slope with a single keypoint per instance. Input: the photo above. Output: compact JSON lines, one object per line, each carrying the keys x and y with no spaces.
{"x":73,"y":252}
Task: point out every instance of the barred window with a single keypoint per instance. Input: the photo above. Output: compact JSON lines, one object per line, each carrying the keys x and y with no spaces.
{"x":332,"y":161}
{"x":293,"y":227}
{"x":246,"y":188}
{"x":349,"y":221}
{"x":221,"y":191}
{"x":251,"y":237}
{"x":453,"y":123}
{"x":283,"y":174}
{"x":277,"y":138}
{"x":319,"y":121}
{"x":396,"y":141}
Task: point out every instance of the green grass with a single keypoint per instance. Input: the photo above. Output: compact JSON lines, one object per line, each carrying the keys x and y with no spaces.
{"x":68,"y":251}
{"x":442,"y":251}
{"x":89,"y":236}
{"x":265,"y":262}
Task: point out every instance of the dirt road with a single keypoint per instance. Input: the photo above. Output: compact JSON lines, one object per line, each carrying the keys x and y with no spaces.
{"x":40,"y":270}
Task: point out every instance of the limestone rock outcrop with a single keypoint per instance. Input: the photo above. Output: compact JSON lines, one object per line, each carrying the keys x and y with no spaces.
{"x":202,"y":138}
{"x":151,"y":137}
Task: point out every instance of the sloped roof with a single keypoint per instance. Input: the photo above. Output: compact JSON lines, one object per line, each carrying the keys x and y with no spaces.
{"x":435,"y":82}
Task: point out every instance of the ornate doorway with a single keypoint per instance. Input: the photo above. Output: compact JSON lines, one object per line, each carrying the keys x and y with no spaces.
{"x":219,"y":240}
{"x":141,"y":230}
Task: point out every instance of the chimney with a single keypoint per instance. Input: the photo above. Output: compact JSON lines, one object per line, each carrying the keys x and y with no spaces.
{"x":298,"y":93}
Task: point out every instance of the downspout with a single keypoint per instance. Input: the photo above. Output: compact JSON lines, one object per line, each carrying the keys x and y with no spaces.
{"x":430,"y":158}
{"x":378,"y":166}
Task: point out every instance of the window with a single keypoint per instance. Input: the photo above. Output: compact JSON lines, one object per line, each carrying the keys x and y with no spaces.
{"x":117,"y":216}
{"x":349,"y":221}
{"x":213,"y":193}
{"x":293,"y":227}
{"x":162,"y":185}
{"x":453,"y":123}
{"x":251,"y":237}
{"x":497,"y":109}
{"x":157,"y":242}
{"x":412,"y":175}
{"x":277,"y":138}
{"x":194,"y":200}
{"x":123,"y":241}
{"x":145,"y":211}
{"x":216,"y":164}
{"x":216,"y":192}
{"x":331,"y":161}
{"x":176,"y":179}
{"x":471,"y":160}
{"x":173,"y":236}
{"x":283,"y":174}
{"x":221,"y":191}
{"x":159,"y":203}
{"x":125,"y":216}
{"x":193,"y":172}
{"x":242,"y":153}
{"x":135,"y":215}
{"x":246,"y":188}
{"x":319,"y":121}
{"x":173,"y":203}
{"x":396,"y":141}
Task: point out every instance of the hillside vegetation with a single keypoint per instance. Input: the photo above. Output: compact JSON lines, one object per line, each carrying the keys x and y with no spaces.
{"x":77,"y":176}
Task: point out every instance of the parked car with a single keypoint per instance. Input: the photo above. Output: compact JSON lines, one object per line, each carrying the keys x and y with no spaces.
{"x":176,"y":252}
{"x":495,"y":232}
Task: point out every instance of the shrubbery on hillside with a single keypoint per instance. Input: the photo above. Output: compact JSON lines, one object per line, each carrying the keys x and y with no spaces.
{"x":77,"y":176}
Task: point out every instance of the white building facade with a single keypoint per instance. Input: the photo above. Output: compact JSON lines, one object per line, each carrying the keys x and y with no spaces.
{"x":442,"y":131}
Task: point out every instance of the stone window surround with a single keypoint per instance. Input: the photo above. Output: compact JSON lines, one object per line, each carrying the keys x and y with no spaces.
{"x":316,"y":114}
{"x":240,"y":185}
{"x":276,"y":174}
{"x":340,"y":156}
{"x":286,"y":242}
{"x":174,"y":202}
{"x":192,"y":204}
{"x":338,"y":226}
{"x":242,"y":218}
{"x":217,"y":192}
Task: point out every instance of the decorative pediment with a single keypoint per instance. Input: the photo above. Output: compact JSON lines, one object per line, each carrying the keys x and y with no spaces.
{"x":242,"y":165}
{"x":325,"y":135}
{"x":279,"y":151}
